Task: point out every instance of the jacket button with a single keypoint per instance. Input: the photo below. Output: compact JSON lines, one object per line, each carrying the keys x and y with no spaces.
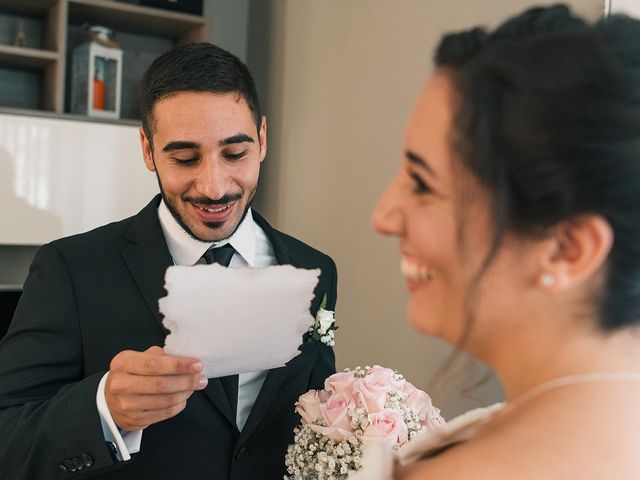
{"x":86,"y":459}
{"x":70,"y":465}
{"x":241,"y":453}
{"x":77,"y":464}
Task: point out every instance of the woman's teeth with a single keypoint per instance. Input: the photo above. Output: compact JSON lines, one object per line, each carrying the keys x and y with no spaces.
{"x":415,"y":272}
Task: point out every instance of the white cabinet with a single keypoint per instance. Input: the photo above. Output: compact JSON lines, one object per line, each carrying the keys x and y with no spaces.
{"x":61,"y":177}
{"x":630,"y":7}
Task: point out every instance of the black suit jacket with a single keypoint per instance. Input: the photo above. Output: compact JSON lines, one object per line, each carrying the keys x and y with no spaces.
{"x":90,"y":296}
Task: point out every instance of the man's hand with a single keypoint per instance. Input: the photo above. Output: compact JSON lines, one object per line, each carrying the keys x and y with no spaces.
{"x":148,"y":387}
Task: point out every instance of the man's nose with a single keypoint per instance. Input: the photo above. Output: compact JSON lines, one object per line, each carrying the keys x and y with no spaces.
{"x":212,"y":179}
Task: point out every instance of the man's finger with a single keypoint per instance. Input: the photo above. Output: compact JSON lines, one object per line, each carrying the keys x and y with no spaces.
{"x":150,"y":363}
{"x":127,"y":384}
{"x":141,"y":404}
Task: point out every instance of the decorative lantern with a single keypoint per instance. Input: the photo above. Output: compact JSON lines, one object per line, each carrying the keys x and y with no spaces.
{"x":96,"y":81}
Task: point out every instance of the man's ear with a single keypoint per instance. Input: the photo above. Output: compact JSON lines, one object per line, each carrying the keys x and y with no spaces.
{"x":147,"y":151}
{"x":262,"y":137}
{"x":576,"y":250}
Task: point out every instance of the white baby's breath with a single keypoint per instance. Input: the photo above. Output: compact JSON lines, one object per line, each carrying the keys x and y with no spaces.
{"x":314,"y":456}
{"x":322,"y":458}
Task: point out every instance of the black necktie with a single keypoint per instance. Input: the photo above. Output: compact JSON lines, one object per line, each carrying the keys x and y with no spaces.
{"x":222,"y":255}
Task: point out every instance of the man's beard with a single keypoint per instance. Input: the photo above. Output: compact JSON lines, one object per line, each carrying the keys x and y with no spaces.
{"x":209,"y":202}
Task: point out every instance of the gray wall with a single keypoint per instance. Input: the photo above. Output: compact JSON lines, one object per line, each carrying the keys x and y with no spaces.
{"x":229,"y":25}
{"x":14,"y":263}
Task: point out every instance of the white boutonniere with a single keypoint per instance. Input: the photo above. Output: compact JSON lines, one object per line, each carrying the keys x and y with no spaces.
{"x":325,"y":325}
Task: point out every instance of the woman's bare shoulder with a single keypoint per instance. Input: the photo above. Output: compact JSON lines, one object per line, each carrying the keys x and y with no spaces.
{"x":533,"y":443}
{"x":476,"y":459}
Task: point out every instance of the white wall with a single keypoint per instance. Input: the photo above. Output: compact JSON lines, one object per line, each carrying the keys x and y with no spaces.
{"x":629,"y":7}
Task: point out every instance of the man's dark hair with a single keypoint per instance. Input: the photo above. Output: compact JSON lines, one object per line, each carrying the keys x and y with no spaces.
{"x":195,"y":67}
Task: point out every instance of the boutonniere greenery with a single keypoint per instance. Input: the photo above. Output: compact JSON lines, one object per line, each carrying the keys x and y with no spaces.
{"x":325,"y":325}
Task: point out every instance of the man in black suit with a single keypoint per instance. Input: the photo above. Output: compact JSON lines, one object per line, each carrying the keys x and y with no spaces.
{"x":85,"y":386}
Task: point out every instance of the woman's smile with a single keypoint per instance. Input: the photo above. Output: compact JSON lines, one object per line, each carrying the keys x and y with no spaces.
{"x":417,"y":274}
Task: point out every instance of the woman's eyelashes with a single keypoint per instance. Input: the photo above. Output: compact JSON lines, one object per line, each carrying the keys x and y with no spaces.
{"x":419,"y":185}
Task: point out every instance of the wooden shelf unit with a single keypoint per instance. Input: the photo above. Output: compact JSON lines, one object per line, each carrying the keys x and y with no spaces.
{"x":61,"y":18}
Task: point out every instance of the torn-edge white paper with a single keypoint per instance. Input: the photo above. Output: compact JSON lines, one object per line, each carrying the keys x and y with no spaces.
{"x":237,"y":320}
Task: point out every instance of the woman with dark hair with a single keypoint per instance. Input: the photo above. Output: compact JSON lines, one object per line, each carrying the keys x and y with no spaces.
{"x":517,"y":208}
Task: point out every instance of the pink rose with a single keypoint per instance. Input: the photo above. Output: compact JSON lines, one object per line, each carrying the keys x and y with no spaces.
{"x":386,"y":376}
{"x":386,"y":426}
{"x":309,"y":406}
{"x":370,"y":392}
{"x":335,"y":411}
{"x":341,"y":382}
{"x":335,"y":434}
{"x":409,"y":388}
{"x":324,"y":396}
{"x":433,"y":419}
{"x":420,"y":403}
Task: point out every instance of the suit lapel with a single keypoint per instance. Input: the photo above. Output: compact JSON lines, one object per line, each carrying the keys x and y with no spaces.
{"x":215,"y":391}
{"x":286,"y":254}
{"x":277,"y":376}
{"x":148,"y":257}
{"x":147,"y":260}
{"x":274,"y":384}
{"x":280,"y":249}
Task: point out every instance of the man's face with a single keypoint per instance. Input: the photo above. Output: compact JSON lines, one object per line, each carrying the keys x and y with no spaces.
{"x":206,"y":152}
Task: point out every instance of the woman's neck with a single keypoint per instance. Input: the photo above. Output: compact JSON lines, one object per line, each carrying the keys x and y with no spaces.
{"x":530,"y":359}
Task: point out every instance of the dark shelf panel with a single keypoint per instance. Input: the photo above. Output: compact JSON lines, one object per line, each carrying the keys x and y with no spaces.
{"x":27,"y":7}
{"x":27,"y":57}
{"x":134,"y":18}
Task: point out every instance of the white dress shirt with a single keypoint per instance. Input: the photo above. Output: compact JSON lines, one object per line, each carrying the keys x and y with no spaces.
{"x":252,"y":250}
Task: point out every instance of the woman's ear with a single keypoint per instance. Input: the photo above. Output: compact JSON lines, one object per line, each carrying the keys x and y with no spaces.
{"x":574,"y":252}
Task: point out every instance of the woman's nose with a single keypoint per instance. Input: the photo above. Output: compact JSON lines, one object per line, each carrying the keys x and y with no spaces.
{"x":388,"y":218}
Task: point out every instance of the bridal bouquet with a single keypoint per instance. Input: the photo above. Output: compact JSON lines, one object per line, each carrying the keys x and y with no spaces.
{"x":357,"y":407}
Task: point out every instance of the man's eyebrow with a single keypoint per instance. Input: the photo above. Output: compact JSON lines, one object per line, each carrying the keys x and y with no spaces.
{"x":419,"y":161}
{"x":180,"y":145}
{"x":239,"y":138}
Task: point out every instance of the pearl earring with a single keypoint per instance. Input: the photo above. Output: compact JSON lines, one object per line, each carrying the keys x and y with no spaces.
{"x":547,"y":280}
